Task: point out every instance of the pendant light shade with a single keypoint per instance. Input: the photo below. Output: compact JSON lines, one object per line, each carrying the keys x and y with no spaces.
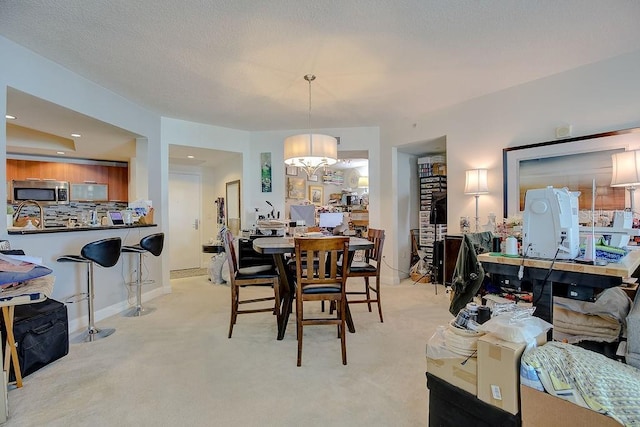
{"x":310,"y":151}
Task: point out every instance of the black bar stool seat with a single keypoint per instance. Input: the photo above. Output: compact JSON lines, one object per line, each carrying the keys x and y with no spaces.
{"x":105,"y":253}
{"x":153,"y":244}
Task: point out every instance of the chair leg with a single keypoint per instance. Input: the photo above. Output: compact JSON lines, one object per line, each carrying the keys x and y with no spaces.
{"x":234,"y":308}
{"x":366,"y":286}
{"x":92,"y":333}
{"x":299,"y":318}
{"x":343,"y":335}
{"x":276,"y":294}
{"x":377,"y":291}
{"x":138,"y":310}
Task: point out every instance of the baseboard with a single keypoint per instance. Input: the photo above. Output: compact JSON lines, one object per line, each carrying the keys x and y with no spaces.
{"x":114,"y":309}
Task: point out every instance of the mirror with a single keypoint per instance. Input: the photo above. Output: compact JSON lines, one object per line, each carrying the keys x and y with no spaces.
{"x":233,"y":206}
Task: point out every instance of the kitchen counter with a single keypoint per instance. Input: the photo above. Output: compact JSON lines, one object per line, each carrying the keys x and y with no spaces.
{"x":18,"y":230}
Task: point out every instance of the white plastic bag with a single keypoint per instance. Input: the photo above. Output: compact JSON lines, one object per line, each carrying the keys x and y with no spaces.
{"x":516,"y":326}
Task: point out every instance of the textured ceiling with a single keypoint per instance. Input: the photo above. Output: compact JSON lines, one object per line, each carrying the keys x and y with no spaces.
{"x":240,"y":64}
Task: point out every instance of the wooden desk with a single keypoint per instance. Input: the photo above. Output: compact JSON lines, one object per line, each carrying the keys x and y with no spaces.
{"x":574,"y":275}
{"x":278,"y":247}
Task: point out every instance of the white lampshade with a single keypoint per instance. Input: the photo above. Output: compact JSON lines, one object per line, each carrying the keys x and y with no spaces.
{"x":363,"y":182}
{"x":626,"y":169}
{"x":476,"y":182}
{"x":310,"y":151}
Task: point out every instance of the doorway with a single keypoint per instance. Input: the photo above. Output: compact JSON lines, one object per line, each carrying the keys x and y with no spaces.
{"x":184,"y":220}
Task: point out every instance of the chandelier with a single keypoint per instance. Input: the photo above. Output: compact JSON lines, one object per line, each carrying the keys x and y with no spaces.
{"x":310,"y":151}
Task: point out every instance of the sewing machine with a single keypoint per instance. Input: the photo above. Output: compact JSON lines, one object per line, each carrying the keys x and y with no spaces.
{"x":550,"y":224}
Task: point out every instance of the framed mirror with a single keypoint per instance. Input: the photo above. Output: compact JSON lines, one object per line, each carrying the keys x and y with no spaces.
{"x":233,"y":206}
{"x":574,"y":163}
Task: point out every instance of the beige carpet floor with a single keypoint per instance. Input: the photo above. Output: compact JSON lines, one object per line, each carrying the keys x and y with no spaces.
{"x":176,"y":367}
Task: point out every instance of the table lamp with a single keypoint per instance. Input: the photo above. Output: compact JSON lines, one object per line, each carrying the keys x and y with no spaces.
{"x":626,"y":172}
{"x":476,"y":184}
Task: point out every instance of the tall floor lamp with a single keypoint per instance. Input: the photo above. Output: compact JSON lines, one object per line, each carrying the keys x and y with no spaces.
{"x":475,"y":185}
{"x":626,"y":172}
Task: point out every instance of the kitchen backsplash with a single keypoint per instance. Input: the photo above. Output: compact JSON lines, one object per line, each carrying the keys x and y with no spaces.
{"x":58,"y":215}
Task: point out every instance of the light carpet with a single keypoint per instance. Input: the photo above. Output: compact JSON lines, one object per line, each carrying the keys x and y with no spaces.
{"x":176,"y":366}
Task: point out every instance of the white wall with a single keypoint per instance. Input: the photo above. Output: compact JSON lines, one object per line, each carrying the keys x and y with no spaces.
{"x":358,"y":138}
{"x":595,"y":98}
{"x":25,"y":71}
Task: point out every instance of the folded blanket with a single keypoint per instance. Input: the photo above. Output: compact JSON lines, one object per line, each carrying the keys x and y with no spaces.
{"x":585,"y":326}
{"x":600,"y":321}
{"x":612,"y":302}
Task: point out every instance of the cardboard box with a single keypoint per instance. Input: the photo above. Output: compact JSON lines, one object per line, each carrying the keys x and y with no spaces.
{"x":499,"y":371}
{"x":542,"y":409}
{"x":453,"y":371}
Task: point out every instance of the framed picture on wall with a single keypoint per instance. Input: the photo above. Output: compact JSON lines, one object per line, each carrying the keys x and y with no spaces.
{"x":296,"y":188}
{"x":316,"y":194}
{"x":313,"y":178}
{"x":292,"y":171}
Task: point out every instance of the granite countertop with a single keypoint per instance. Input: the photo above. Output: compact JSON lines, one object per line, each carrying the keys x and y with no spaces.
{"x":47,"y":230}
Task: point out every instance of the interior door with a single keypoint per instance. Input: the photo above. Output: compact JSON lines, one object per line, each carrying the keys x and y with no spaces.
{"x":184,"y":221}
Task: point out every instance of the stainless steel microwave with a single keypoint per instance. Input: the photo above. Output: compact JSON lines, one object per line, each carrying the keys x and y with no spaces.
{"x":42,"y":191}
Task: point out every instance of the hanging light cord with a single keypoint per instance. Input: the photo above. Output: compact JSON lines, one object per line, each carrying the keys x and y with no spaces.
{"x":310,"y":78}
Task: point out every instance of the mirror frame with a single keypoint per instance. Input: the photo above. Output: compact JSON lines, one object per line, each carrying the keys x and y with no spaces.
{"x":233,"y":203}
{"x":624,"y":139}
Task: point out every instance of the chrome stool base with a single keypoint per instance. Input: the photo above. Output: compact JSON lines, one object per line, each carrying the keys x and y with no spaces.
{"x":139,"y":311}
{"x":90,"y":335}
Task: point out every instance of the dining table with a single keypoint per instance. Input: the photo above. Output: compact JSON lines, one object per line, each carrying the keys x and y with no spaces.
{"x":278,"y":247}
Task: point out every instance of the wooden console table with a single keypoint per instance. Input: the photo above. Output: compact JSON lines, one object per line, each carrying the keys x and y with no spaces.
{"x":568,"y":274}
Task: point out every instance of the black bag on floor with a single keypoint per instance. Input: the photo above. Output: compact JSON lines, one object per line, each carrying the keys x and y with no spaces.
{"x":41,"y":332}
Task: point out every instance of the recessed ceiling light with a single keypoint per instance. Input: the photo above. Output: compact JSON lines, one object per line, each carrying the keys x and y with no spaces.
{"x":189,"y":157}
{"x":9,"y":117}
{"x":60,"y":152}
{"x":76,"y":135}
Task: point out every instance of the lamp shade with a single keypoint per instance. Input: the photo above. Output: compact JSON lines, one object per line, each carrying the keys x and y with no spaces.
{"x":626,"y":169}
{"x":363,"y":182}
{"x":310,"y":151}
{"x":476,"y":182}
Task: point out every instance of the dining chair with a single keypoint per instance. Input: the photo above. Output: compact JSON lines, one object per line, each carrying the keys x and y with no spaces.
{"x":318,"y":279}
{"x":240,"y":279}
{"x":369,"y":268}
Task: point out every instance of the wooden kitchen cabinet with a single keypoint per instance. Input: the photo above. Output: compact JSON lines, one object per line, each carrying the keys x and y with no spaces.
{"x":117,"y":177}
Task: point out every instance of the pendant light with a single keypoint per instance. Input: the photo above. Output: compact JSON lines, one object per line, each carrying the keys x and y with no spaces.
{"x":310,"y":151}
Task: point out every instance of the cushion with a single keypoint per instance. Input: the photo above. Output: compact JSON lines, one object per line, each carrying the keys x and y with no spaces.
{"x":321,"y":290}
{"x":255,"y":275}
{"x":364,"y":268}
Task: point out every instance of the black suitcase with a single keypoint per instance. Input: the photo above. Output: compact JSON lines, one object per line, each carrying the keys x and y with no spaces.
{"x":41,"y":332}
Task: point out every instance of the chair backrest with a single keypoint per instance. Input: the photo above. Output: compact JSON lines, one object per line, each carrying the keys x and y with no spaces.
{"x":317,"y":262}
{"x":153,"y":243}
{"x":230,"y":249}
{"x":105,"y":252}
{"x":375,"y":253}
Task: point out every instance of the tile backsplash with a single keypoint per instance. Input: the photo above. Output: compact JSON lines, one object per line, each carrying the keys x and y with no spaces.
{"x":58,"y":215}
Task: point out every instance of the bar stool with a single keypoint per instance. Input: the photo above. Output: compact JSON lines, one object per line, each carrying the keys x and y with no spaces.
{"x":105,"y":253}
{"x":152,"y":243}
